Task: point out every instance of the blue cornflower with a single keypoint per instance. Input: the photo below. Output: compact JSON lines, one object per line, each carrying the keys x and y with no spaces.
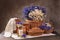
{"x":24,"y":35}
{"x":27,"y":10}
{"x":45,"y":27}
{"x":19,"y":23}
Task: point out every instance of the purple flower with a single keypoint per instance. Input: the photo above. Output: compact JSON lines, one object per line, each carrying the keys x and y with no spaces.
{"x":27,"y":10}
{"x":19,"y":23}
{"x":24,"y":35}
{"x":45,"y":27}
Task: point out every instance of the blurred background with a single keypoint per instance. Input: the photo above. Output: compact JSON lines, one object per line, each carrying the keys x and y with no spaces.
{"x":13,"y":8}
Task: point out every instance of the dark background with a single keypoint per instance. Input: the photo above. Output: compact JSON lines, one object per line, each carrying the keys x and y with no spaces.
{"x":13,"y":8}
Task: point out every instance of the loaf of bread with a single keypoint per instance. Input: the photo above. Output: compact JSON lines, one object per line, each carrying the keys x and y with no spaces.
{"x":26,"y":27}
{"x":35,"y":31}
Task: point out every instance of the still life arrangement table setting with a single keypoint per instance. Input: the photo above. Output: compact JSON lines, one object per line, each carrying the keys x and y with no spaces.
{"x":34,"y":24}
